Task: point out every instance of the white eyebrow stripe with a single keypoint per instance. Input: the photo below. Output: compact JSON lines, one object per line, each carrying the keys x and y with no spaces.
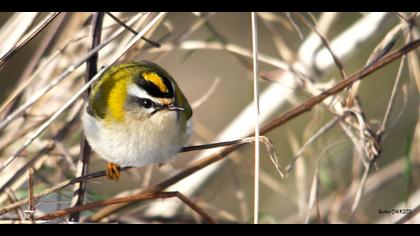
{"x":136,"y":91}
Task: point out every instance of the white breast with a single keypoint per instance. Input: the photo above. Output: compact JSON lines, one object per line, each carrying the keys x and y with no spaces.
{"x":134,"y":143}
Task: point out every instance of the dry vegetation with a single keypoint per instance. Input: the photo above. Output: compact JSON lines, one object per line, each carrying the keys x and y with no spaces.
{"x":338,"y":102}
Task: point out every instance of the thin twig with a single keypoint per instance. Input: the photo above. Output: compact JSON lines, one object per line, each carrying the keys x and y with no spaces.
{"x":153,"y":44}
{"x":314,"y":193}
{"x":85,"y":149}
{"x":134,"y":198}
{"x":268,"y":144}
{"x":31,"y":211}
{"x":326,"y":44}
{"x":257,"y":115}
{"x":295,"y":26}
{"x":314,"y":196}
{"x":28,"y":37}
{"x":359,"y":192}
{"x":401,"y":110}
{"x":321,"y":131}
{"x":392,"y":98}
{"x":199,"y":102}
{"x":402,"y":17}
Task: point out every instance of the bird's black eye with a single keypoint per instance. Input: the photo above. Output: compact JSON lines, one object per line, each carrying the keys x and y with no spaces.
{"x":146,"y":103}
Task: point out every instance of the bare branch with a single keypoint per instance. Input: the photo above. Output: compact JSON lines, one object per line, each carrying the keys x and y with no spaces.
{"x":129,"y":199}
{"x":85,"y":149}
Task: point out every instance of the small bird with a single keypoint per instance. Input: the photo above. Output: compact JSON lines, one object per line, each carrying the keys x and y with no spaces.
{"x":136,"y":115}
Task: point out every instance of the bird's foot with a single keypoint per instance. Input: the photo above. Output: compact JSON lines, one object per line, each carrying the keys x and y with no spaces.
{"x":113,"y":171}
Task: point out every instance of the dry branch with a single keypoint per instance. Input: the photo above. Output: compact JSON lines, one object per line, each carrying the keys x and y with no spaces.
{"x":85,"y":149}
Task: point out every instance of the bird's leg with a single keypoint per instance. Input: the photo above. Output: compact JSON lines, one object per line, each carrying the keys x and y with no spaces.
{"x":113,"y":171}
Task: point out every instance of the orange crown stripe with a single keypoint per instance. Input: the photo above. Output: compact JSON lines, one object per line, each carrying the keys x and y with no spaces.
{"x":155,"y":79}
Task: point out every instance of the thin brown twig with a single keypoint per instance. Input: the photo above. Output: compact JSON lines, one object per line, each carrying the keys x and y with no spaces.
{"x":152,"y":43}
{"x":269,"y":146}
{"x":85,"y":149}
{"x":401,"y":109}
{"x":134,"y":198}
{"x":31,"y":211}
{"x":402,"y":17}
{"x":392,"y":98}
{"x":326,"y":44}
{"x":28,"y":37}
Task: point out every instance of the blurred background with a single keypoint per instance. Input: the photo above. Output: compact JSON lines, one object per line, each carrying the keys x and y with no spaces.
{"x":210,"y":56}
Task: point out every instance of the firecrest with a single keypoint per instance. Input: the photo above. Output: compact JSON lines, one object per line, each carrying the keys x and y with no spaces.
{"x":136,"y":115}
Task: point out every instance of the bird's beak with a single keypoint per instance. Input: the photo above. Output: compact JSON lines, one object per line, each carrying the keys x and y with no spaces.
{"x":171,"y":107}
